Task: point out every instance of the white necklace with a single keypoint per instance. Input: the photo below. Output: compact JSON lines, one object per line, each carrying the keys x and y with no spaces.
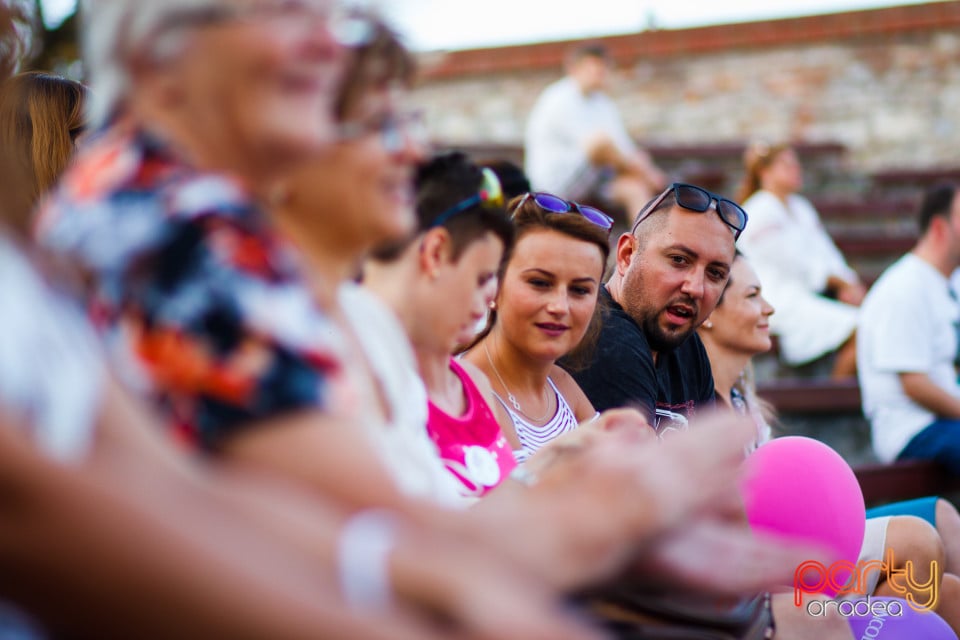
{"x":512,"y":399}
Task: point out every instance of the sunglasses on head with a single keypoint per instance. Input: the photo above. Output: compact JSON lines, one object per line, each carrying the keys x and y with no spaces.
{"x":555,"y":204}
{"x":489,"y":196}
{"x":698,"y":199}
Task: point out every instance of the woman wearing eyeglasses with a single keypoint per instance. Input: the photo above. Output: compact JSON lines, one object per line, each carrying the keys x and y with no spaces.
{"x":545,"y":309}
{"x":807,"y":278}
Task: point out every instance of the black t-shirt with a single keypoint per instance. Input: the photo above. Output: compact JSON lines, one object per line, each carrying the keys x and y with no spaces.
{"x":622,"y":372}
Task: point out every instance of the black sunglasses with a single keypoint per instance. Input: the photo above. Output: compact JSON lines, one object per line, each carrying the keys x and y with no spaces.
{"x":694,"y":198}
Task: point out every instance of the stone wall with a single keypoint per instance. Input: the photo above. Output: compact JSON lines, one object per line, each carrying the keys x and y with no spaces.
{"x":884,"y":83}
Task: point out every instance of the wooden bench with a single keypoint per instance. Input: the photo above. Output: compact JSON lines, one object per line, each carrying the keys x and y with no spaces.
{"x":881,"y":483}
{"x":872,"y":244}
{"x":715,"y":166}
{"x":903,"y":480}
{"x":919,"y":179}
{"x":811,"y":395}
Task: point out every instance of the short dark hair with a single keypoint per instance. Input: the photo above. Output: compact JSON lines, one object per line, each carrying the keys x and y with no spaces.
{"x":513,"y":180}
{"x":652,"y":219}
{"x":937,"y":201}
{"x":588,"y":49}
{"x":442,"y":182}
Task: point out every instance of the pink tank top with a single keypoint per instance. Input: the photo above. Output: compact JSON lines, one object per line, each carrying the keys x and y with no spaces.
{"x":472,"y":446}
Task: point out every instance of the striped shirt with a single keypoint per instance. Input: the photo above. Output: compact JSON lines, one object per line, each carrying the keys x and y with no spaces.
{"x":532,"y":436}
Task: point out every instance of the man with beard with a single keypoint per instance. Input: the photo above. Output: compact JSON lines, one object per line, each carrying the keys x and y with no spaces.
{"x":671,"y":269}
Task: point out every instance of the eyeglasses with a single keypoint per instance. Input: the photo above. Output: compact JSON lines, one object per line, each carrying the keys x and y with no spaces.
{"x":396,"y":131}
{"x":698,"y":199}
{"x":489,"y":196}
{"x":555,"y":204}
{"x":348,"y":26}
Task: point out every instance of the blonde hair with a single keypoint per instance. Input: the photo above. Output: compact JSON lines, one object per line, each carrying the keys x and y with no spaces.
{"x":757,"y":157}
{"x":762,"y":412}
{"x":40,"y":117}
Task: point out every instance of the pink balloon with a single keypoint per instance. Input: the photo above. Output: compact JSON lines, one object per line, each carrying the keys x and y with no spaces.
{"x":800,"y":488}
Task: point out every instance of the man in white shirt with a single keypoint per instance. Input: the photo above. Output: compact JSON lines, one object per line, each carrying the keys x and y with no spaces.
{"x":907,"y":343}
{"x":576,"y":145}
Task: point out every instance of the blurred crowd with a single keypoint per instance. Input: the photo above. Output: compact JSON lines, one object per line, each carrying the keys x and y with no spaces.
{"x":272,"y":368}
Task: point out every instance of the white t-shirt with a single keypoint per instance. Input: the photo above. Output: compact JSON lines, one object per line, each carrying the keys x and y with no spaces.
{"x":908,"y":323}
{"x":404,"y":445}
{"x":560,"y":123}
{"x":794,"y":255}
{"x":51,"y":373}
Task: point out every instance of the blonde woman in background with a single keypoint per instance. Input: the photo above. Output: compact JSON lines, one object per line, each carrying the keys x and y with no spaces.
{"x":917,"y":531}
{"x":806,"y":277}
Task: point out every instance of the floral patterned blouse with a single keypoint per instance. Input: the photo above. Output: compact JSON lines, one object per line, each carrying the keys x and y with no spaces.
{"x":201,"y":303}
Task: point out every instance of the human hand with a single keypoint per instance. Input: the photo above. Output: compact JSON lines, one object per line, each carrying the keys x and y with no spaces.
{"x":852,"y":293}
{"x":627,"y":420}
{"x":605,"y":501}
{"x":472,"y":593}
{"x":628,"y":423}
{"x":724,"y":557}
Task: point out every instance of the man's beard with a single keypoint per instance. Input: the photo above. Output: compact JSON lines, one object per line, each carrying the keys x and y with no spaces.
{"x":647,"y":317}
{"x":659,"y":340}
{"x":649,"y":320}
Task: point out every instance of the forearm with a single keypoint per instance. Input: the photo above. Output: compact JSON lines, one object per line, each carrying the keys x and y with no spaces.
{"x":299,"y":518}
{"x":602,"y":151}
{"x":111,"y":563}
{"x":922,"y":390}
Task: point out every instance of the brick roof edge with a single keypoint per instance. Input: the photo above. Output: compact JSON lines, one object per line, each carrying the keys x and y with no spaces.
{"x":932,"y":16}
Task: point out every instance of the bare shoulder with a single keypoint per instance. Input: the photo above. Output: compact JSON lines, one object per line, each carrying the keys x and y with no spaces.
{"x":477,"y":375}
{"x":480,"y":379}
{"x":563,"y":380}
{"x":572,"y":393}
{"x":472,"y":359}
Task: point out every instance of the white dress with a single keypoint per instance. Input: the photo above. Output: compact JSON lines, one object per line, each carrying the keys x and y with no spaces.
{"x":793,"y":256}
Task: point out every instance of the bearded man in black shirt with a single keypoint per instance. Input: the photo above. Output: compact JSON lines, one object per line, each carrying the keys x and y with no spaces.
{"x":671,"y":270}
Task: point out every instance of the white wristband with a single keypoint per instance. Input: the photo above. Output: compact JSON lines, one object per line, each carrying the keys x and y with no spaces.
{"x":364,"y":546}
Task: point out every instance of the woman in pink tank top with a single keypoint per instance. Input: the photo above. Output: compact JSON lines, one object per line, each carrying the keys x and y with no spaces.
{"x":472,"y":445}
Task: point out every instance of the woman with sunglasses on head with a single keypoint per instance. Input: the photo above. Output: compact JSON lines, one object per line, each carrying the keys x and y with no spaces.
{"x":806,"y":276}
{"x":545,"y":309}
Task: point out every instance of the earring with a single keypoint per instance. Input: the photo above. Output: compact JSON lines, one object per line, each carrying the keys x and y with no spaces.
{"x":707,"y":324}
{"x":493,"y":305}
